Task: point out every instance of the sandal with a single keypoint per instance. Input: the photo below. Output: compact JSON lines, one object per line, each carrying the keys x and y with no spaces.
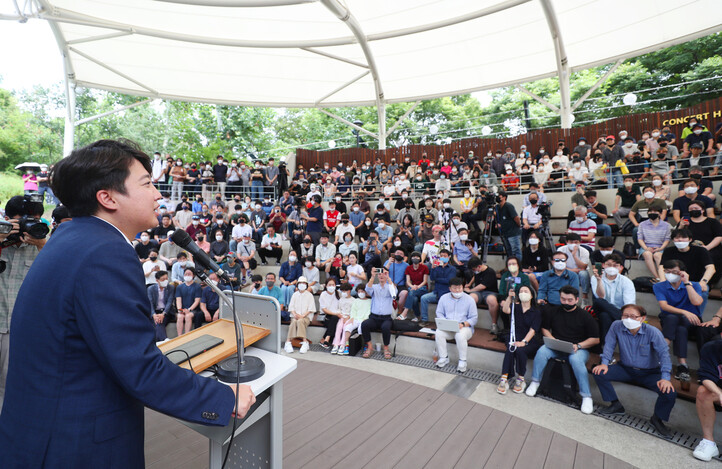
{"x":387,"y":354}
{"x":367,"y":352}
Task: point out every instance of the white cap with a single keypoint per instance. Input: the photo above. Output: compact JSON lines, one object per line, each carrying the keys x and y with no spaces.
{"x":302,"y":279}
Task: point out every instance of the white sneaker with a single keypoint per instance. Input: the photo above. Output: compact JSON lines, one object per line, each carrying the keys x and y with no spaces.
{"x":462,"y":367}
{"x":304,"y":347}
{"x":531,"y":390}
{"x":442,"y":362}
{"x":288,"y":347}
{"x":587,"y":405}
{"x":334,"y":350}
{"x":706,"y":450}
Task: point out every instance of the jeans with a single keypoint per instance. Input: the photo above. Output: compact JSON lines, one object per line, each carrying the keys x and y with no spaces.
{"x":514,"y":245}
{"x":604,"y":230}
{"x":42,"y":190}
{"x":577,"y":360}
{"x":615,"y":178}
{"x":413,"y":299}
{"x":607,"y":314}
{"x":257,"y":190}
{"x":287,"y":293}
{"x":584,"y":280}
{"x":462,"y":342}
{"x":425,"y":300}
{"x":644,"y":378}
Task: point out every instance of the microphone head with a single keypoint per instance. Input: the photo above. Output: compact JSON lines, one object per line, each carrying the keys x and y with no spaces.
{"x":181,"y":238}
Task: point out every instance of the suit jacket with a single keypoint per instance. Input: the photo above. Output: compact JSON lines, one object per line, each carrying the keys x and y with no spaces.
{"x":169,"y":292}
{"x":83,"y":359}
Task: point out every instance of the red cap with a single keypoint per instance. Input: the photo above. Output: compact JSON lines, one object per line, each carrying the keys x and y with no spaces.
{"x":610,"y":137}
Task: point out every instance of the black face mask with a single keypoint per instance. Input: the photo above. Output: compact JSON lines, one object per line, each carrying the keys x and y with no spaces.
{"x":695,"y":176}
{"x":532,"y":201}
{"x":569,"y":307}
{"x":663,"y":145}
{"x":695,"y":213}
{"x":398,"y":258}
{"x":416,"y":260}
{"x":653,"y":216}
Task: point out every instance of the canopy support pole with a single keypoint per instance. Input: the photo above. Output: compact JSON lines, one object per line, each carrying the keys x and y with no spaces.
{"x":114,"y":111}
{"x":69,"y":133}
{"x":349,"y":123}
{"x":597,"y":84}
{"x":562,"y":62}
{"x":537,"y":98}
{"x":402,"y":118}
{"x":333,"y":56}
{"x":117,"y":72}
{"x":381,"y":108}
{"x":347,"y":84}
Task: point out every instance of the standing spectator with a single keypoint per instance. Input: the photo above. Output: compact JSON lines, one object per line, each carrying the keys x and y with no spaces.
{"x":643,"y":360}
{"x":30,"y":182}
{"x":709,"y":398}
{"x":188,"y":298}
{"x":257,"y":182}
{"x":271,"y":246}
{"x":396,"y":265}
{"x":569,"y":323}
{"x":161,"y":298}
{"x":233,"y":178}
{"x":382,"y":295}
{"x":44,"y":186}
{"x":458,"y":306}
{"x":509,"y":226}
{"x":193,"y":180}
{"x":271,"y":176}
{"x":158,"y":168}
{"x":220,"y":173}
{"x":611,"y":291}
{"x":611,"y":154}
{"x":314,"y":219}
{"x":554,"y":279}
{"x":301,"y":308}
{"x":178,"y":173}
{"x":527,"y":325}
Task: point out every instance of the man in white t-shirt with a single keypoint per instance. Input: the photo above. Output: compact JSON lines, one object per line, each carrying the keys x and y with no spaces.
{"x":239,"y":231}
{"x":152,"y":266}
{"x":344,"y":227}
{"x":577,"y":260}
{"x":271,"y":246}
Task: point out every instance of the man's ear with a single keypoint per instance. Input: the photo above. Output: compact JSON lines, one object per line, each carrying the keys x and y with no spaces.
{"x":107,"y":200}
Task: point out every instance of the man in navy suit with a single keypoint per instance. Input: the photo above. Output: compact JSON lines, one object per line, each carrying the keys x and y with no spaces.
{"x":161,"y":295}
{"x":83,"y":360}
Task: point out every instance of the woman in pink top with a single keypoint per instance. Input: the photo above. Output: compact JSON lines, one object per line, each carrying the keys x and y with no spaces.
{"x":30,"y":181}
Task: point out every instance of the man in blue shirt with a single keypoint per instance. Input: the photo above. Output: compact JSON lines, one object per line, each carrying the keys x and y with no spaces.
{"x":397,"y":265}
{"x":441,"y":275}
{"x":680,"y":301}
{"x":188,"y":298}
{"x":210,"y":304}
{"x":382,"y":296}
{"x":643,"y":360}
{"x":314,"y":220}
{"x":291,"y":270}
{"x":555,"y":278}
{"x":461,"y":307}
{"x":270,"y":289}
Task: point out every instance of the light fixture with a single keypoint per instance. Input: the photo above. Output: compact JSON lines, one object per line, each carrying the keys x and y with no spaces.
{"x":433,"y":129}
{"x":332,"y":143}
{"x":629,"y":99}
{"x":486,"y":130}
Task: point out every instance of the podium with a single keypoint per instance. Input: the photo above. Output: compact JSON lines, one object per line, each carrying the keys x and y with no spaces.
{"x":258,"y":440}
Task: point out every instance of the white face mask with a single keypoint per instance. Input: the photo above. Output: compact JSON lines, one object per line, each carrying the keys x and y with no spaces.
{"x":308,"y":264}
{"x":672,"y":278}
{"x":382,"y":225}
{"x":144,"y":238}
{"x":630,"y":323}
{"x":404,"y":196}
{"x":524,"y":297}
{"x":456,"y":294}
{"x":697,"y":132}
{"x":362,"y":294}
{"x":368,"y":222}
{"x":513,"y":269}
{"x":447,"y":205}
{"x":579,"y":219}
{"x":649,"y":195}
{"x":577,"y":165}
{"x":655,"y":134}
{"x":690,"y":190}
{"x":220,"y":238}
{"x":605,"y":253}
{"x":656,"y":182}
{"x":163,"y":283}
{"x":560,"y":265}
{"x":560,"y":152}
{"x":188,"y":278}
{"x":292,"y":258}
{"x":195,"y":222}
{"x":302,"y":287}
{"x":463,"y":237}
{"x":681,"y":244}
{"x":533,"y":241}
{"x":611,"y":271}
{"x":331,"y":288}
{"x":397,"y":243}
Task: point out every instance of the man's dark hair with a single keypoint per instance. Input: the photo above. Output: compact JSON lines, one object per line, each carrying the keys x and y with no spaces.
{"x":271,"y":273}
{"x":590,"y":194}
{"x":561,"y":253}
{"x":574,"y":237}
{"x":605,"y":242}
{"x":182,"y":254}
{"x":103,"y":165}
{"x":614,"y":257}
{"x":160,"y":273}
{"x":639,"y":309}
{"x":474,"y":263}
{"x":455,"y":281}
{"x":59,"y":213}
{"x":569,"y":290}
{"x":445,"y":251}
{"x":672,"y":263}
{"x":15,"y":206}
{"x":681,"y":233}
{"x":696,"y":183}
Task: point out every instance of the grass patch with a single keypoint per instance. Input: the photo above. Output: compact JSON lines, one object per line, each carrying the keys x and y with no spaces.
{"x":11,"y":184}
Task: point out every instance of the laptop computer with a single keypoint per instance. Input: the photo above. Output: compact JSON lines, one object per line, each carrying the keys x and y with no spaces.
{"x":447,"y":325}
{"x":559,"y":345}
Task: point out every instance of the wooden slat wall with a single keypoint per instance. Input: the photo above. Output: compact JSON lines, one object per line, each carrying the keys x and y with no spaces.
{"x":709,"y":113}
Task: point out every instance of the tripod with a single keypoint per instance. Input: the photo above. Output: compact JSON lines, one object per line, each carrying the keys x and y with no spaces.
{"x":487,"y":234}
{"x":546,"y":236}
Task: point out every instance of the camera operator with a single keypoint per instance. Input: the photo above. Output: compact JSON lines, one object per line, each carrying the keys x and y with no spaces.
{"x":20,"y":247}
{"x":509,"y":226}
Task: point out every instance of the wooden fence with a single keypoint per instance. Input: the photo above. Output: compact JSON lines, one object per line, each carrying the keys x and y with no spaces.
{"x":708,"y":112}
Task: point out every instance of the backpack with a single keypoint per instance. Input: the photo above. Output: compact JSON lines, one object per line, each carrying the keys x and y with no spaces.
{"x":629,"y":251}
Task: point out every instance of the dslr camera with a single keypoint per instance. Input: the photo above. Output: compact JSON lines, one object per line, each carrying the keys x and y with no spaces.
{"x":544,"y":211}
{"x":28,"y":224}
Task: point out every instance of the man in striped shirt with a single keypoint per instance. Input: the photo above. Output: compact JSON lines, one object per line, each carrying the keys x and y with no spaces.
{"x":584,"y":227}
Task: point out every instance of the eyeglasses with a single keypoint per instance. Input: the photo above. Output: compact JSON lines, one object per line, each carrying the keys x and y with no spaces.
{"x":629,"y":316}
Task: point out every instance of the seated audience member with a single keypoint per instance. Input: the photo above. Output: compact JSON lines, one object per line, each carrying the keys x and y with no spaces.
{"x":397,"y":265}
{"x":531,"y":220}
{"x":184,"y":216}
{"x":195,"y":228}
{"x":605,"y":247}
{"x":698,"y":262}
{"x":239,"y":231}
{"x":556,"y":278}
{"x":329,"y":308}
{"x":271,"y":289}
{"x":288,"y":277}
{"x":382,"y":296}
{"x":151,"y":267}
{"x":169,"y":250}
{"x":627,"y":196}
{"x":653,"y":236}
{"x":707,"y":233}
{"x":597,"y":212}
{"x":306,"y":248}
{"x":144,"y":247}
{"x":709,"y":398}
{"x":277,"y":219}
{"x":585,"y":228}
{"x":301,"y":308}
{"x":535,"y":258}
{"x":577,"y":261}
{"x":324,"y":252}
{"x":569,"y":323}
{"x":160,"y":233}
{"x":336,"y":269}
{"x":372,"y":253}
{"x":353,"y":313}
{"x":179,"y":267}
{"x":161,"y":296}
{"x":271,"y":246}
{"x":355,"y":273}
{"x":680,"y":206}
{"x":527,"y":324}
{"x":457,"y":306}
{"x":611,"y":290}
{"x":210,"y":304}
{"x":219,"y":248}
{"x":417,"y":281}
{"x":432,"y":248}
{"x":705,"y":187}
{"x":344,"y":228}
{"x":465,"y":249}
{"x":643,"y":360}
{"x":482,"y":288}
{"x":639,"y":211}
{"x":681,"y":303}
{"x":246,"y":257}
{"x":441,"y":274}
{"x":348,"y":246}
{"x":512,"y":276}
{"x":188,"y":298}
{"x":312,"y":274}
{"x":233,"y":270}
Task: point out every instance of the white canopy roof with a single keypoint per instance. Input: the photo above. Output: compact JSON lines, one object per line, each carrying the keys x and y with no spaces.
{"x":330,"y":53}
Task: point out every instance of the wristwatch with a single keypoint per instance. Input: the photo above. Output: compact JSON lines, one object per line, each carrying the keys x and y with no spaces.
{"x":525,"y":342}
{"x":688,"y":284}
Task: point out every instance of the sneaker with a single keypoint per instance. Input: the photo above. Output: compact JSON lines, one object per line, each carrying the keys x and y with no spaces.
{"x":615,"y":408}
{"x":587,"y":405}
{"x":278,"y":262}
{"x":682,"y":373}
{"x":243,"y":281}
{"x":494,"y":329}
{"x":264,"y":263}
{"x":532,"y":388}
{"x":503,"y":387}
{"x":324,"y":345}
{"x":519,"y":385}
{"x":334,"y":350}
{"x":288,"y":348}
{"x":442,"y":362}
{"x":415,"y":320}
{"x":661,"y":428}
{"x":461,"y":367}
{"x":345,"y":351}
{"x":304,"y":347}
{"x":706,"y":450}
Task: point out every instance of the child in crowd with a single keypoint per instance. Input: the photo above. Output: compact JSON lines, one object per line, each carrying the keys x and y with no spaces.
{"x":351,"y":317}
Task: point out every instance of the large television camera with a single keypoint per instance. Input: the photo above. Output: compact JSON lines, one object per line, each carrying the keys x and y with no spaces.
{"x":544,"y":211}
{"x":28,"y":223}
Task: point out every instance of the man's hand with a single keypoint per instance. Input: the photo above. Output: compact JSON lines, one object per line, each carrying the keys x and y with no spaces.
{"x":158,"y":318}
{"x":602,"y":370}
{"x":665,"y":386}
{"x":208,"y":317}
{"x":684,"y":276}
{"x":244,"y":398}
{"x":692,"y":318}
{"x":15,"y":230}
{"x":38,"y":243}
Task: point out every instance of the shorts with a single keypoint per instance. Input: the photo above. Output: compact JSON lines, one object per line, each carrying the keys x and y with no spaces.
{"x":483,"y":295}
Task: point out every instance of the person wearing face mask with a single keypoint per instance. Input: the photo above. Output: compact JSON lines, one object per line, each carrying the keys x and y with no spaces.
{"x":144,"y":247}
{"x":482,"y":287}
{"x":611,"y":291}
{"x":353,"y":313}
{"x":441,"y":274}
{"x":258,"y":222}
{"x":178,"y":174}
{"x":625,"y":198}
{"x":612,"y":153}
{"x":312,"y":274}
{"x":397,"y":265}
{"x":301,"y":308}
{"x":577,"y":262}
{"x":513,"y":275}
{"x":535,"y":191}
{"x":682,"y":303}
{"x":271,"y":246}
{"x":161,"y":296}
{"x":243,"y":228}
{"x":699,"y":136}
{"x":554,"y":279}
{"x":246,"y":252}
{"x":638,"y":212}
{"x":325,"y":253}
{"x":188,"y":299}
{"x":531,"y":220}
{"x":527,"y":326}
{"x":465,"y":249}
{"x":651,"y":369}
{"x":288,"y":276}
{"x":704,"y":185}
{"x":535,"y":259}
{"x":195,"y":228}
{"x":152,"y":266}
{"x":209,"y":310}
{"x":653,"y":237}
{"x":442,"y":183}
{"x":382,"y":293}
{"x":707,"y":233}
{"x":272,"y":290}
{"x":183,"y":215}
{"x":417,"y":280}
{"x":582,"y":226}
{"x":233,"y":270}
{"x":509,"y":225}
{"x":384,"y":231}
{"x":578,"y":172}
{"x":569,"y":323}
{"x":701,"y":267}
{"x":680,"y":206}
{"x":348,"y":245}
{"x":314,"y":219}
{"x":329,"y":312}
{"x":176,"y":275}
{"x":458,"y":306}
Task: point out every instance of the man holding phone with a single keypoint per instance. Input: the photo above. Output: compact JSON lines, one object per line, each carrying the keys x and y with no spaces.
{"x":382,"y":295}
{"x":611,"y":291}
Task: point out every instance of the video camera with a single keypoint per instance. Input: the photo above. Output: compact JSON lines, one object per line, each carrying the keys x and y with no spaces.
{"x":491,"y":199}
{"x":28,"y":224}
{"x":544,"y":211}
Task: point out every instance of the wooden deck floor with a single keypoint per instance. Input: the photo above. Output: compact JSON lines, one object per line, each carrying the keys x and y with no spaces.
{"x":336,"y":416}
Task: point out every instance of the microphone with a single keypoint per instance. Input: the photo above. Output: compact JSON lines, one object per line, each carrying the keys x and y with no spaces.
{"x":183,"y":239}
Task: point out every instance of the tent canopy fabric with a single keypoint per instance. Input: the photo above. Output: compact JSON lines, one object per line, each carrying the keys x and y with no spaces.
{"x":334,"y":53}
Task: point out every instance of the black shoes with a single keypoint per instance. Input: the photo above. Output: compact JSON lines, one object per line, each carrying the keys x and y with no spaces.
{"x":661,"y":428}
{"x":615,"y":408}
{"x":682,"y":373}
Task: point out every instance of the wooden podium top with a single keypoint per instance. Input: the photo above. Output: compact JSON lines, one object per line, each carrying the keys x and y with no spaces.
{"x":223,"y":329}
